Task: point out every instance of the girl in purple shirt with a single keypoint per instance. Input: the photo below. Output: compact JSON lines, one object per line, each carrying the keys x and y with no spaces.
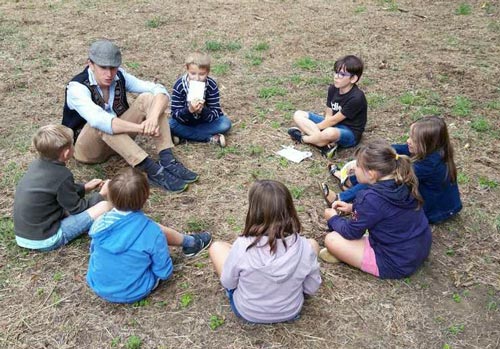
{"x":270,"y":267}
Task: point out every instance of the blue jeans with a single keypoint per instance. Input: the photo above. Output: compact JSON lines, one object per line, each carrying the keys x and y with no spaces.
{"x":200,"y":132}
{"x":71,"y":227}
{"x":350,"y":194}
{"x":347,"y":138}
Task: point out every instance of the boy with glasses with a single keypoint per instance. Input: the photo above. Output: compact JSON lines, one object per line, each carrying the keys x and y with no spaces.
{"x":345,"y":115}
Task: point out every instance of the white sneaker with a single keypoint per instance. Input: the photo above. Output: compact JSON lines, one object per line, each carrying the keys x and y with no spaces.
{"x":218,"y":139}
{"x":327,"y":257}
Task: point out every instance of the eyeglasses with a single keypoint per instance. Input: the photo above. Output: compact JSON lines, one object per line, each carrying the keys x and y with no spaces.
{"x":343,"y":74}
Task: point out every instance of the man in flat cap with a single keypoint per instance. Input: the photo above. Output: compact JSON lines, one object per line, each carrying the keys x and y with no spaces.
{"x":97,"y":110}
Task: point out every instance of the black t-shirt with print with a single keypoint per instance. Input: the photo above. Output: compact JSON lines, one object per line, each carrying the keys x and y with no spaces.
{"x":353,"y":106}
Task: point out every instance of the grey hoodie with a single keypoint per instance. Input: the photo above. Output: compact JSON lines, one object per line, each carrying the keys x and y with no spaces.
{"x":270,"y":287}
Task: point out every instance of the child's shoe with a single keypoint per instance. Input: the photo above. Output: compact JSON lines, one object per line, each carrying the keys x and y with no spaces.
{"x":176,"y":140}
{"x":328,"y":151}
{"x":218,"y":139}
{"x":202,"y":239}
{"x":327,"y":257}
{"x":295,"y":134}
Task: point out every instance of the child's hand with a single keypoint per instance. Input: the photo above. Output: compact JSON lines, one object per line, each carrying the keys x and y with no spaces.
{"x":104,"y":189}
{"x":91,"y":185}
{"x":342,"y":206}
{"x":196,"y":106}
{"x":329,"y":213}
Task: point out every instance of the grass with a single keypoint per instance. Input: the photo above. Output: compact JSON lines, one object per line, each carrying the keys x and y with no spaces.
{"x":255,"y":150}
{"x":186,"y":300}
{"x":360,"y":9}
{"x":296,"y":192}
{"x":133,"y":342}
{"x":254,"y":59}
{"x":220,"y":69}
{"x":463,"y":9}
{"x":222,"y":152}
{"x":306,"y":63}
{"x":268,"y":92}
{"x":195,"y":224}
{"x":480,"y":124}
{"x":215,"y":322}
{"x":261,"y":46}
{"x":216,"y":45}
{"x":284,"y":105}
{"x":132,"y":65}
{"x":390,"y":5}
{"x":154,"y":22}
{"x":487,"y":183}
{"x":456,"y":329}
{"x":375,"y":100}
{"x":462,"y":178}
{"x":11,"y":174}
{"x":462,"y":106}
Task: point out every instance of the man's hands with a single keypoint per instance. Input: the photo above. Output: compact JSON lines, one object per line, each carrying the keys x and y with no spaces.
{"x":196,"y":106}
{"x":151,"y":127}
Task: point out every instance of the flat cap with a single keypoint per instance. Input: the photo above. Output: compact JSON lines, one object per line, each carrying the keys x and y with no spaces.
{"x":105,"y":53}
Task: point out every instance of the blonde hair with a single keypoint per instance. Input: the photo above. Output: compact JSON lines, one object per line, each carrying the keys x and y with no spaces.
{"x":379,"y":156}
{"x":50,"y":140}
{"x":129,"y":190}
{"x":202,"y":60}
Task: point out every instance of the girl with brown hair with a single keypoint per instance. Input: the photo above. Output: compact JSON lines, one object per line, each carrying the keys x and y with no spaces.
{"x":270,"y":267}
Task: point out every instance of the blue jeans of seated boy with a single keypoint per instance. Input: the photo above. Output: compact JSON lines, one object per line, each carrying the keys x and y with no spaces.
{"x":350,"y":194}
{"x":201,"y":132}
{"x":347,"y":138}
{"x":71,"y":227}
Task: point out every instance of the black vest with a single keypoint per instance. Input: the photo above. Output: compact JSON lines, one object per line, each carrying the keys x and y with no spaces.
{"x":73,"y":120}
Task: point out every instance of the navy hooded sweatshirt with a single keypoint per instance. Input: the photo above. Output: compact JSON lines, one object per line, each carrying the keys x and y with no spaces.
{"x":441,"y":196}
{"x":399,"y":233}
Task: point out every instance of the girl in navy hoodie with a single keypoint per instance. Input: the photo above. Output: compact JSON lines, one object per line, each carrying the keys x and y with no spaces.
{"x":390,"y":209}
{"x":431,"y":152}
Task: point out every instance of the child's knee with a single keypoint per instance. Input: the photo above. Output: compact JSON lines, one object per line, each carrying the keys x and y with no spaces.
{"x":332,"y":239}
{"x":300,"y":114}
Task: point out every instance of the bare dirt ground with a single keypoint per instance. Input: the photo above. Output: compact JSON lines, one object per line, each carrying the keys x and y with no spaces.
{"x":270,"y":58}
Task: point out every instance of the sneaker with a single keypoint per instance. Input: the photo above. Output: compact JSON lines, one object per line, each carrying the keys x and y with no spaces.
{"x":167,"y":181}
{"x":327,"y":257}
{"x":295,"y":134}
{"x":202,"y":239}
{"x":178,"y":170}
{"x":218,"y":139}
{"x":176,"y":140}
{"x":328,"y":151}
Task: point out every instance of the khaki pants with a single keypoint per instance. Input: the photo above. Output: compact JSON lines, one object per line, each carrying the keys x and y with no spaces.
{"x":94,"y":146}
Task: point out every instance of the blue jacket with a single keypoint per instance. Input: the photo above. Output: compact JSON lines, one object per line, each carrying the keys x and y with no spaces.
{"x":441,"y":197}
{"x":127,"y":258}
{"x":399,"y":234}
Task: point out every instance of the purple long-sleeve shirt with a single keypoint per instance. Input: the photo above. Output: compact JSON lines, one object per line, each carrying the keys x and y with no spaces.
{"x":270,"y":287}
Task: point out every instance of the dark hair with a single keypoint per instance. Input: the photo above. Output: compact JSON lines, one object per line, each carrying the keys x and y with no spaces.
{"x":379,"y":156}
{"x":271,"y":213}
{"x":129,"y":190}
{"x":429,"y":135}
{"x":350,"y":64}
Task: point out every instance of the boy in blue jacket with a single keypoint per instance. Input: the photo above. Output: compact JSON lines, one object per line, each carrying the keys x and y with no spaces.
{"x":129,"y":252}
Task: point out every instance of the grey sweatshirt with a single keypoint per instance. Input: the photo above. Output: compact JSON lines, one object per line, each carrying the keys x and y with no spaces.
{"x":43,"y":196}
{"x":270,"y":287}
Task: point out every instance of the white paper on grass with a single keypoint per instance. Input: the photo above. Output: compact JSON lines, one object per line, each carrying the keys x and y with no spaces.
{"x":293,"y":154}
{"x":196,"y":90}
